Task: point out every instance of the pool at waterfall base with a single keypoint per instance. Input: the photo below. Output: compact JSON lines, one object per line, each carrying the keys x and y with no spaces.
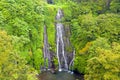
{"x":47,"y":75}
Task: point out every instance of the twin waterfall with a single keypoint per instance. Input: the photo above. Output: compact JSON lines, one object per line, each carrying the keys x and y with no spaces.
{"x":65,"y":58}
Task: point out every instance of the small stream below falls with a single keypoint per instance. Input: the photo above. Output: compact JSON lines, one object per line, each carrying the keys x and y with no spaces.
{"x":59,"y":76}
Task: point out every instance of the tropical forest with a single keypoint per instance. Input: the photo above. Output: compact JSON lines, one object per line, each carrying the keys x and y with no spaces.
{"x":59,"y":39}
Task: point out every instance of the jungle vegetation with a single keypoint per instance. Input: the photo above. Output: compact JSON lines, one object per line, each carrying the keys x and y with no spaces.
{"x":95,"y":35}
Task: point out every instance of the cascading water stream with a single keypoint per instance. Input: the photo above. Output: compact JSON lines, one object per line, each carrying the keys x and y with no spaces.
{"x":46,"y":50}
{"x":72,"y":62}
{"x":62,"y":59}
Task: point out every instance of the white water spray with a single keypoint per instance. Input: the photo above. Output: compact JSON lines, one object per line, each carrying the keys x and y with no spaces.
{"x":60,"y":43}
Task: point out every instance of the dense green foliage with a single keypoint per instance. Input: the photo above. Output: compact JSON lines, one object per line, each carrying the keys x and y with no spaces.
{"x":12,"y":65}
{"x":23,"y":20}
{"x":94,"y":32}
{"x":95,"y":35}
{"x":104,"y":61}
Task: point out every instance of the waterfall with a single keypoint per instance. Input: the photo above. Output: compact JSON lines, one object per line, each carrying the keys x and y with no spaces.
{"x":47,"y":57}
{"x":72,"y":62}
{"x":64,"y":56}
{"x":62,"y":59}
